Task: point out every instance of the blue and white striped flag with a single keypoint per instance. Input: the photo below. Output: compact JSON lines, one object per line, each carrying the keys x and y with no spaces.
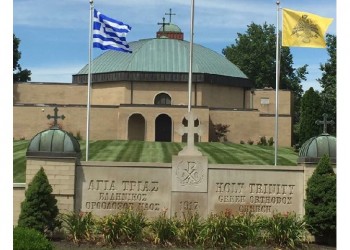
{"x":109,"y":33}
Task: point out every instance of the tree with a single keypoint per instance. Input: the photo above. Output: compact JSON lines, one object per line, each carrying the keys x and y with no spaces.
{"x":255,"y":54}
{"x":320,"y":204}
{"x":19,"y":75}
{"x":328,"y":81}
{"x":310,"y":113}
{"x":39,"y":209}
{"x":221,"y":130}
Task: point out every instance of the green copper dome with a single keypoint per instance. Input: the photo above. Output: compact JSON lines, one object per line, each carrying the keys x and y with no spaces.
{"x":170,"y":28}
{"x":314,"y":148}
{"x":164,"y":55}
{"x":53,"y":142}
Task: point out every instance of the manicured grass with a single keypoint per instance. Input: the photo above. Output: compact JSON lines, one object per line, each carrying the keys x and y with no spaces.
{"x":19,"y":160}
{"x":136,"y":151}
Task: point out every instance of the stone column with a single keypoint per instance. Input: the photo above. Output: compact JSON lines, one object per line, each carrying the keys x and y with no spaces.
{"x":61,"y":175}
{"x":189,"y":185}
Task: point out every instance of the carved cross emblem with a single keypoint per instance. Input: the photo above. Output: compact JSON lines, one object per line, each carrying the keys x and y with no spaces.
{"x":189,"y":173}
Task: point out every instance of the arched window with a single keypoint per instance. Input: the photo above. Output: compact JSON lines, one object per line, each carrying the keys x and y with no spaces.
{"x":162,"y":99}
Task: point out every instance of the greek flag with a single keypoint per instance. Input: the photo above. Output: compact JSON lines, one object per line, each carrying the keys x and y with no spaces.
{"x":109,"y":33}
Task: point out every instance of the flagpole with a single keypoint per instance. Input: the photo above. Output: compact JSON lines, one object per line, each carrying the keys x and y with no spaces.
{"x":277,"y":79}
{"x":89,"y":82}
{"x":191,"y":60}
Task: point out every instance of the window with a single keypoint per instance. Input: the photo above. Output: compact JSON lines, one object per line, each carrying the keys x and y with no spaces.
{"x":264,"y":101}
{"x":162,"y":99}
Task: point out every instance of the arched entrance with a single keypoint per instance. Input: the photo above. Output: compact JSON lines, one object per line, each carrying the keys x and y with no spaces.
{"x":163,"y":128}
{"x":184,"y":136}
{"x":136,"y":128}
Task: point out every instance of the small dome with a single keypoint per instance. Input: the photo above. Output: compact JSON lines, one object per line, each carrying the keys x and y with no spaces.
{"x":54,"y":142}
{"x":314,"y":148}
{"x":170,"y":28}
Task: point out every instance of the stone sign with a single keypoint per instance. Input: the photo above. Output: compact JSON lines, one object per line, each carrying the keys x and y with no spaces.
{"x":189,"y":184}
{"x":107,"y":190}
{"x":258,"y":191}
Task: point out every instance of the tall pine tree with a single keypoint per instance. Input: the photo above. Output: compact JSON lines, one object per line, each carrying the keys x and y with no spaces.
{"x":328,"y":82}
{"x":310,"y":113}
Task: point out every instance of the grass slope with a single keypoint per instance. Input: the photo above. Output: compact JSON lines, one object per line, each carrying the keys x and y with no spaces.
{"x":137,"y":151}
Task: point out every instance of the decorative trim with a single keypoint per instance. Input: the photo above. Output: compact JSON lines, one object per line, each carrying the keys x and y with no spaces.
{"x":163,"y":77}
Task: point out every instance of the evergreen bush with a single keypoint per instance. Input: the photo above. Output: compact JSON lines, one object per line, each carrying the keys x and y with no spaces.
{"x":39,"y":209}
{"x":27,"y":238}
{"x":320,"y":205}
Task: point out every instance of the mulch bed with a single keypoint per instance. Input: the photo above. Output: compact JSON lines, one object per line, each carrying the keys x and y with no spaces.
{"x":68,"y":245}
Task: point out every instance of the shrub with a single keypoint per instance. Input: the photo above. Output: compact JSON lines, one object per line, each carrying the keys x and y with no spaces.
{"x":320,"y":205}
{"x":221,"y":130}
{"x":78,"y":137}
{"x":263,"y":141}
{"x":39,"y":209}
{"x":78,"y":226}
{"x":270,"y":142}
{"x":27,"y":238}
{"x":249,"y":230}
{"x":218,"y":231}
{"x":242,"y":142}
{"x":164,"y":229}
{"x":296,"y":147}
{"x":250,"y":142}
{"x":285,"y":230}
{"x":113,"y":229}
{"x":190,"y":227}
{"x":135,"y":221}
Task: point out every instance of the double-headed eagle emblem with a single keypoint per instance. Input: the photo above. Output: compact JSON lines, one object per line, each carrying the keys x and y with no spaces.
{"x":306,"y":29}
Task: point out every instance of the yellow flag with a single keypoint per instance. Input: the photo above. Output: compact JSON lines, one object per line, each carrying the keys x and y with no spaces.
{"x":302,"y":29}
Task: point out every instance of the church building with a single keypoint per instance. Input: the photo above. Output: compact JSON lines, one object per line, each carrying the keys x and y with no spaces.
{"x":143,"y":96}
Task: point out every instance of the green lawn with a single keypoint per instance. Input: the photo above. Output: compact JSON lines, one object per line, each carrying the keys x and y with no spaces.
{"x":136,"y":151}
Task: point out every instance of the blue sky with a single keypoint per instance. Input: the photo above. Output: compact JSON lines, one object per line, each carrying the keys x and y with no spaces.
{"x":54,"y":34}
